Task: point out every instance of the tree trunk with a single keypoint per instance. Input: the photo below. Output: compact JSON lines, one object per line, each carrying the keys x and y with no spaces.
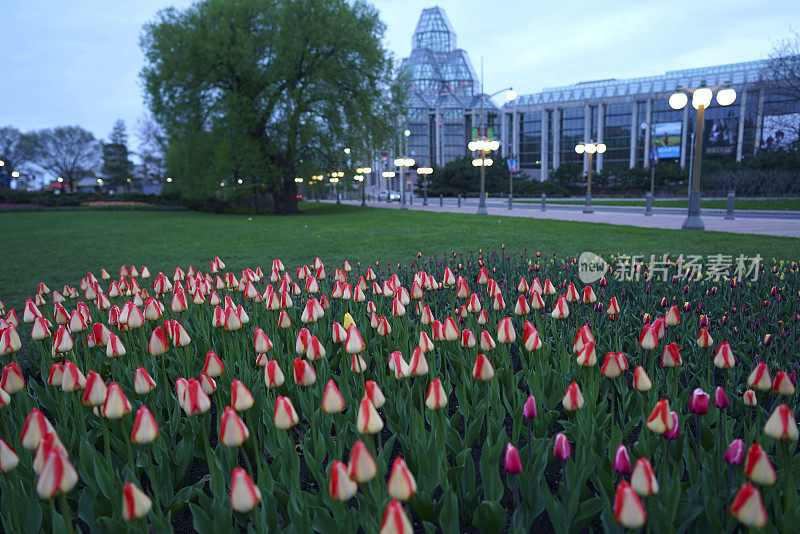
{"x":286,"y":198}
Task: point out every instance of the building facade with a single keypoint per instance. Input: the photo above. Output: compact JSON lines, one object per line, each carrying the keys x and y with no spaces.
{"x":632,"y":116}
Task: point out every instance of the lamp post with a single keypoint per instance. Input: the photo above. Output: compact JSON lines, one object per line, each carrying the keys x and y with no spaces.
{"x":589,"y":148}
{"x":425,"y":171}
{"x":335,"y":181}
{"x":362,"y":171}
{"x":701,"y":99}
{"x":403,"y":163}
{"x":388,"y":175}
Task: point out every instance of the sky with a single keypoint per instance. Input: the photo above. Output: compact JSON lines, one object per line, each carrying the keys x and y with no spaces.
{"x":77,"y":61}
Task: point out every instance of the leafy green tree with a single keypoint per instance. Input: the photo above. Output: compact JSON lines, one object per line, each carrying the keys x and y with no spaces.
{"x":266,"y":90}
{"x":116,"y":163}
{"x":460,"y":177}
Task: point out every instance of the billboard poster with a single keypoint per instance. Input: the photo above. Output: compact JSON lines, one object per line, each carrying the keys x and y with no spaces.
{"x":719,"y":137}
{"x":665,"y":137}
{"x":780,"y":131}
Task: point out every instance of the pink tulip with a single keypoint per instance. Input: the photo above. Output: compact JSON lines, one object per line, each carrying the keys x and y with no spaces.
{"x":512,"y":462}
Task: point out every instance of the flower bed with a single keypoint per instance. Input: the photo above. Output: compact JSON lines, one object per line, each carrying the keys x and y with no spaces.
{"x":469,"y":392}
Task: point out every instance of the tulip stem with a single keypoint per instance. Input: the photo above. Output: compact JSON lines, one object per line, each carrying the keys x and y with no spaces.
{"x":106,"y":441}
{"x":566,"y":495}
{"x":62,"y":501}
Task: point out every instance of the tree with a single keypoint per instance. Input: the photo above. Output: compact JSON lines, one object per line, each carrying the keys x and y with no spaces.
{"x":460,"y":177}
{"x":265,"y":90}
{"x":15,"y":153}
{"x":69,"y":152}
{"x":783,"y":72}
{"x":152,"y":147}
{"x":116,"y":163}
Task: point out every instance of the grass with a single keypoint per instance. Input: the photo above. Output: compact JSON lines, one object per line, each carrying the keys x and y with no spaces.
{"x":774,"y":204}
{"x":59,"y":247}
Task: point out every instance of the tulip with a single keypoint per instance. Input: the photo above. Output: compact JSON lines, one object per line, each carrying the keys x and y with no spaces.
{"x":401,"y":484}
{"x":374,"y":393}
{"x":114,"y":347}
{"x":116,"y":404}
{"x":724,"y":358}
{"x":194,"y":399}
{"x":781,"y":424}
{"x":208,"y":384}
{"x":529,"y":409}
{"x":362,"y":466}
{"x":12,"y":381}
{"x":284,"y":415}
{"x":674,"y":432}
{"x":704,"y":340}
{"x":561,"y":309}
{"x":749,"y":398}
{"x":511,"y":461}
{"x":273,"y":376}
{"x":660,"y":420}
{"x":418,"y":366}
{"x":135,"y":504}
{"x":436,"y":397}
{"x":758,"y":467}
{"x":748,"y":507}
{"x":698,"y":402}
{"x":582,"y":337}
{"x":573,"y":398}
{"x":96,"y":391}
{"x":8,"y":457}
{"x":342,"y":487}
{"x":158,"y":342}
{"x":395,"y":520}
{"x":354,"y":344}
{"x":36,"y":425}
{"x":450,"y":330}
{"x":368,"y":421}
{"x":304,"y":374}
{"x":145,"y":428}
{"x":332,"y":400}
{"x":482,"y":370}
{"x":589,"y":296}
{"x":562,"y":449}
{"x":398,"y":365}
{"x":232,"y":430}
{"x":734,"y":455}
{"x":57,"y":476}
{"x":671,"y":357}
{"x":357,"y":363}
{"x":40,"y":329}
{"x":614,"y":364}
{"x":673,"y":316}
{"x":628,"y":508}
{"x":622,"y":460}
{"x":244,"y":494}
{"x":143,"y":383}
{"x":72,"y":379}
{"x":62,"y":342}
{"x":241,"y":398}
{"x":56,"y":375}
{"x":587,"y":357}
{"x":641,"y":382}
{"x":721,"y":398}
{"x":782,"y":385}
{"x":213,"y":366}
{"x":648,"y":339}
{"x":505,"y":331}
{"x":643,"y":478}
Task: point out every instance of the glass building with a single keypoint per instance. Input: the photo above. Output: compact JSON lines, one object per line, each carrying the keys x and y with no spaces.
{"x":444,"y":93}
{"x":631,"y":116}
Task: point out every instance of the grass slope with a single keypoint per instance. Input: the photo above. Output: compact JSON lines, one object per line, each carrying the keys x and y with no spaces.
{"x":59,"y":247}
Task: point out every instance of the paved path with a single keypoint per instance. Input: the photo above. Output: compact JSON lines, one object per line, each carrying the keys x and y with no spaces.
{"x":747,"y":222}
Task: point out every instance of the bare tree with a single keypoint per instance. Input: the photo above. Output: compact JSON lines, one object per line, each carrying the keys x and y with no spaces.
{"x":15,"y":152}
{"x":65,"y":151}
{"x":152,"y":147}
{"x":783,"y":73}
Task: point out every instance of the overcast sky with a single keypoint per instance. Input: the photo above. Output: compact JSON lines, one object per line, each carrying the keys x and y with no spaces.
{"x":77,"y":61}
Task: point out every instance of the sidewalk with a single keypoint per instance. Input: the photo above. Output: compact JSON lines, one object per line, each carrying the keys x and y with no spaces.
{"x":769,"y":223}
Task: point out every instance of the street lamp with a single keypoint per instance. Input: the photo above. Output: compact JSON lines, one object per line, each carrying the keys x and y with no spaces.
{"x":335,"y":180}
{"x":589,"y":148}
{"x":388,"y":175}
{"x":701,"y":99}
{"x":169,"y":180}
{"x":403,"y":163}
{"x":425,"y":172}
{"x":363,"y":170}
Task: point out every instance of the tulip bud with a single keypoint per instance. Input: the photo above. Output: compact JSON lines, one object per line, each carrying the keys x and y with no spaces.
{"x":304,"y":374}
{"x":342,"y":488}
{"x":648,"y":339}
{"x":482,"y":370}
{"x":244,"y":494}
{"x":368,"y":421}
{"x":354,"y":344}
{"x":401,"y":484}
{"x":587,"y":357}
{"x":273,"y":376}
{"x":512,"y":462}
{"x":116,"y":404}
{"x":643,"y":478}
{"x":782,"y":385}
{"x":723,"y":358}
{"x":721,"y":398}
{"x":561,"y":309}
{"x":194,"y":399}
{"x":56,"y":375}
{"x":72,"y":379}
{"x":704,"y":339}
{"x":671,"y":357}
{"x":57,"y":476}
{"x":628,"y":509}
{"x":8,"y":457}
{"x":622,"y":461}
{"x":749,"y":398}
{"x":158,"y":342}
{"x":562,"y":450}
{"x":781,"y":424}
{"x":419,"y":364}
{"x":748,"y":507}
{"x":734,"y":455}
{"x":641,"y":382}
{"x":573,"y":398}
{"x":660,"y":420}
{"x":36,"y":425}
{"x":362,"y":466}
{"x":213,"y":366}
{"x":145,"y":428}
{"x":332,"y":400}
{"x":675,"y":431}
{"x":505,"y":331}
{"x":758,"y":467}
{"x":232,"y":430}
{"x":698,"y":402}
{"x":135,"y":504}
{"x":12,"y":381}
{"x":395,"y":520}
{"x":529,"y":410}
{"x":436,"y":397}
{"x":96,"y":390}
{"x":614,"y":364}
{"x":284,"y":415}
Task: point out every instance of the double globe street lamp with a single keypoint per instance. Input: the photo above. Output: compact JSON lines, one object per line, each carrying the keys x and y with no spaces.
{"x":360,"y":178}
{"x":589,"y":148}
{"x":701,"y":99}
{"x":425,"y":172}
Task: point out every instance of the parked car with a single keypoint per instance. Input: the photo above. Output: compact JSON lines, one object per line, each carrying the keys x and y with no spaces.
{"x":392,"y":195}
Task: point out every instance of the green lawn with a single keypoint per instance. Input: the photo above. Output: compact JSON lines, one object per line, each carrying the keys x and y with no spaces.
{"x":741,"y":204}
{"x":59,"y":247}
